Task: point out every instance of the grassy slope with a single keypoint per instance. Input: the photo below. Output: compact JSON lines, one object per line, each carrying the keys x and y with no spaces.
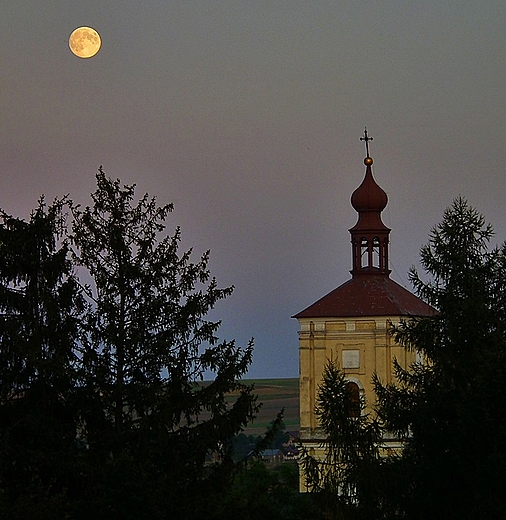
{"x":275,"y":394}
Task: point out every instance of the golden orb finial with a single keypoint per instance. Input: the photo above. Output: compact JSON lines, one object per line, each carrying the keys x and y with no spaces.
{"x":368,"y":161}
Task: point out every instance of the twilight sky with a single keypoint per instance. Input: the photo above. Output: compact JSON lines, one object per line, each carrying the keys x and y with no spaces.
{"x":247,"y":115}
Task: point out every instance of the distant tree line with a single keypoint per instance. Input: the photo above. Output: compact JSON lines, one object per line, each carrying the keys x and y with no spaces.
{"x":448,"y":409}
{"x":244,"y":446}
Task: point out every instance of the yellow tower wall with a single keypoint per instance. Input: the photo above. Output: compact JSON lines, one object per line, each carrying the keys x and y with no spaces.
{"x":360,"y":346}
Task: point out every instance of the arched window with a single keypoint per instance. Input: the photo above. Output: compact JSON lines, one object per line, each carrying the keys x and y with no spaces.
{"x":353,"y":395}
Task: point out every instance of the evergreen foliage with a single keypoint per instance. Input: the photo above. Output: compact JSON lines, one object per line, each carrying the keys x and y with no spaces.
{"x":346,"y":479}
{"x":103,"y":410}
{"x":40,"y":306}
{"x":451,"y":410}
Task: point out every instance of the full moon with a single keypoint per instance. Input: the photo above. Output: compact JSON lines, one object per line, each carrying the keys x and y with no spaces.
{"x":85,"y":42}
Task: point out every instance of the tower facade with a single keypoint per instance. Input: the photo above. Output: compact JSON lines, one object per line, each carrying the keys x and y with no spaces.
{"x":350,"y":325}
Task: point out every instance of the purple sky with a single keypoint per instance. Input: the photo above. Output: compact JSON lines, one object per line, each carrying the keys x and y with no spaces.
{"x":247,"y":115}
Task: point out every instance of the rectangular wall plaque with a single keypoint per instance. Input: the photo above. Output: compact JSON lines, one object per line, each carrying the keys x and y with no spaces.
{"x":351,"y":358}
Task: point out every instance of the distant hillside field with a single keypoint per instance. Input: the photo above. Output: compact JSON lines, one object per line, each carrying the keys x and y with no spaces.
{"x":275,"y":394}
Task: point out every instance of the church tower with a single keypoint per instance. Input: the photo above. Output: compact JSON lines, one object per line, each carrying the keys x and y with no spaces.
{"x":351,"y":324}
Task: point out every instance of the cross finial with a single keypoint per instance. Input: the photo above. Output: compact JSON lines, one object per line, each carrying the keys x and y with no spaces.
{"x":366,"y":138}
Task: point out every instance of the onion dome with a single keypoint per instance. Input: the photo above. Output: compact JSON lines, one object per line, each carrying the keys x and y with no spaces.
{"x":369,"y":196}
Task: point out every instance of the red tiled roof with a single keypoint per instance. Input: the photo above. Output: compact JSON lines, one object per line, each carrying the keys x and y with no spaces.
{"x":368,"y":295}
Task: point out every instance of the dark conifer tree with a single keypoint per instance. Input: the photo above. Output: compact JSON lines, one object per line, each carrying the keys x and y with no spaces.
{"x":347,"y":478}
{"x":157,"y":433}
{"x":39,"y":311}
{"x":451,"y":408}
